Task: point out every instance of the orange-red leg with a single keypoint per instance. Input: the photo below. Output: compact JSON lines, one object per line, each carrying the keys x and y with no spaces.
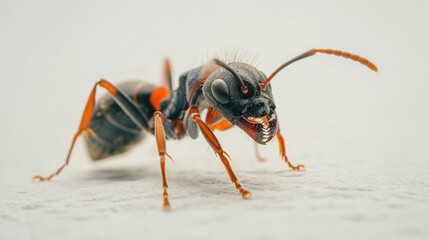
{"x":167,"y":79}
{"x":118,"y":96}
{"x":282,"y":150}
{"x":215,"y":145}
{"x":162,"y":152}
{"x":257,"y":153}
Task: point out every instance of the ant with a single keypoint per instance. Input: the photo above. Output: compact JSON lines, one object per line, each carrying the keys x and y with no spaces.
{"x":234,"y":94}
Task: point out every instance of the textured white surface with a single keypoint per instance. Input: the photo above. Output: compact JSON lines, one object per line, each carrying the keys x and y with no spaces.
{"x":362,"y":135}
{"x":335,"y":198}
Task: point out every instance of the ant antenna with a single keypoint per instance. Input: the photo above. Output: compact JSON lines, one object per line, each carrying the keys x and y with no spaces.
{"x":311,"y":52}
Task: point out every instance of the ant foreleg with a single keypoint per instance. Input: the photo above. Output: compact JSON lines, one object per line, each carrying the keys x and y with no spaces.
{"x":257,"y":153}
{"x":215,"y":145}
{"x":282,"y":150}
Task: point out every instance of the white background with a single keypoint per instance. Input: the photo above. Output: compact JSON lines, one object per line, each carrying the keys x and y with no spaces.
{"x":362,"y":135}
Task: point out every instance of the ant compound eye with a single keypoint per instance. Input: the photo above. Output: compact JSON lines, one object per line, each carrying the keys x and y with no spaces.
{"x":220,"y":91}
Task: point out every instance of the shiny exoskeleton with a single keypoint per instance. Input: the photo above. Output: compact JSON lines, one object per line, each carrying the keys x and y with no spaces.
{"x":233,"y":94}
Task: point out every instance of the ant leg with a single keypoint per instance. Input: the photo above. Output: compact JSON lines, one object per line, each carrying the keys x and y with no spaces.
{"x":215,"y":145}
{"x":257,"y":153}
{"x":165,"y":90}
{"x":282,"y":150}
{"x":121,"y":99}
{"x":160,"y":120}
{"x":167,"y":79}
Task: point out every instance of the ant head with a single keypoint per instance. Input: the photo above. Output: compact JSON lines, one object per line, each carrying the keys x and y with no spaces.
{"x":235,"y":92}
{"x":242,"y":94}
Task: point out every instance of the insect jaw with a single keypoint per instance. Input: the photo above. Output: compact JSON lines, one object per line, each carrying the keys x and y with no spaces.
{"x":261,"y":129}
